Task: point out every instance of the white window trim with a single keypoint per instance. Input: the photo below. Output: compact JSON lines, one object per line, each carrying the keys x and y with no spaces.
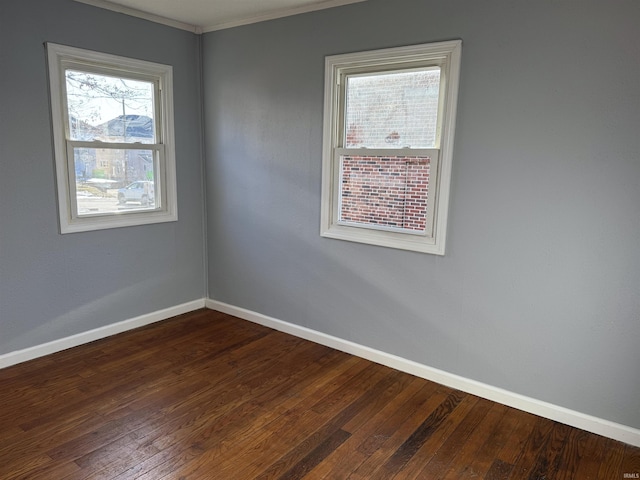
{"x":58,"y":57}
{"x":444,"y":54}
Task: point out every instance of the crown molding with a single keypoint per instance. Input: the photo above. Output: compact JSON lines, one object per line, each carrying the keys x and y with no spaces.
{"x":283,"y":12}
{"x":144,"y":15}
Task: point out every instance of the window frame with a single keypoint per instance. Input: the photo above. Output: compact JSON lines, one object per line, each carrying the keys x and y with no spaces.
{"x":61,"y":58}
{"x":446,"y":56}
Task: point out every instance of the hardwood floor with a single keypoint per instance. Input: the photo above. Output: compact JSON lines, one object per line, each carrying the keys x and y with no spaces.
{"x":209,"y":396}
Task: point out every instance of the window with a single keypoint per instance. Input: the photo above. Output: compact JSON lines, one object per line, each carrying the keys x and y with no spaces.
{"x":113,"y":138}
{"x":389,"y":120}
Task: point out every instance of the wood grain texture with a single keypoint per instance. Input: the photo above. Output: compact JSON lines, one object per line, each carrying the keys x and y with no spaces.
{"x":208,"y":396}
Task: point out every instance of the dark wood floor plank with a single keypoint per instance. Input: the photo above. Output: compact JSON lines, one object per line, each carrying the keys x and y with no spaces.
{"x":499,"y":470}
{"x":313,"y":458}
{"x":515,"y":445}
{"x":128,"y":380}
{"x":288,"y":423}
{"x":442,"y":416}
{"x":365,"y":440}
{"x":581,"y":450}
{"x":471,"y":448}
{"x":343,"y":407}
{"x":17,"y":467}
{"x":536,"y":441}
{"x":378,"y":433}
{"x":40,"y":371}
{"x":53,"y":470}
{"x":228,"y":412}
{"x":417,"y":439}
{"x":586,"y":452}
{"x":110,"y":428}
{"x":208,"y":396}
{"x":549,"y":458}
{"x":504,"y":463}
{"x":175,"y":446}
{"x":384,"y":450}
{"x":438,"y":463}
{"x":287,"y":379}
{"x":39,"y":441}
{"x":299,"y":424}
{"x":495,"y":441}
{"x":611,"y":466}
{"x":369,"y":408}
{"x":630,"y":462}
{"x":96,"y":442}
{"x":412,"y":464}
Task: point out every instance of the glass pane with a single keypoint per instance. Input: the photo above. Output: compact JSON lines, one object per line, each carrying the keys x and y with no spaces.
{"x":109,"y":109}
{"x":110,"y":180}
{"x":392,"y":110}
{"x":385,"y":192}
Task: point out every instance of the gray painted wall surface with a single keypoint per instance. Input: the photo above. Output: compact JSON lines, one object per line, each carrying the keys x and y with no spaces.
{"x":539,"y":292}
{"x":52,"y":285}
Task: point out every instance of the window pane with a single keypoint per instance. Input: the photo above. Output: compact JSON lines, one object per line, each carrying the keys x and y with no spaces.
{"x":392,"y":110}
{"x":109,"y":109}
{"x":110,"y":180}
{"x":386,"y":192}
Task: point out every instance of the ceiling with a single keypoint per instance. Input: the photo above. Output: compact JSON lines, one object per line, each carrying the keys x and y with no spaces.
{"x":207,"y":15}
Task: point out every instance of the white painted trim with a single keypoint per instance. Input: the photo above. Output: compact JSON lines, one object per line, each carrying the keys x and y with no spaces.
{"x":446,"y":55}
{"x":198,"y":29}
{"x":61,"y":57}
{"x":19,"y":356}
{"x":285,"y":12}
{"x":133,"y":12}
{"x":557,"y":413}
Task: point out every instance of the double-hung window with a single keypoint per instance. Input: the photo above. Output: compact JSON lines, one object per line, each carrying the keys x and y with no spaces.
{"x":389,"y":117}
{"x":112,"y":121}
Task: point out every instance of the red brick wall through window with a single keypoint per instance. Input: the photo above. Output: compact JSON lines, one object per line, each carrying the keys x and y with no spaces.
{"x":385,"y":191}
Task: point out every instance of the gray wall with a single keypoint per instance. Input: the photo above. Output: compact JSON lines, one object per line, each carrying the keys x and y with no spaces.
{"x":53,"y":285}
{"x":539,"y":292}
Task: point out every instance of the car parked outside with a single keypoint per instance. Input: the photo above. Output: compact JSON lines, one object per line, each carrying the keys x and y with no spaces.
{"x":141,"y":191}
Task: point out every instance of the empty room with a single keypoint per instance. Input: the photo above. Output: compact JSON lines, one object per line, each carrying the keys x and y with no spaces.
{"x":321,"y":239}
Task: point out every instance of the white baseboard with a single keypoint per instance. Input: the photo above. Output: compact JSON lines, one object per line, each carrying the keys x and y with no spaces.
{"x":19,"y":356}
{"x":583,"y":421}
